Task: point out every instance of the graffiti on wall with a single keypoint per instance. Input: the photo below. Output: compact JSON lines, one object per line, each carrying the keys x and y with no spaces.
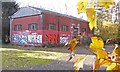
{"x":26,"y":38}
{"x":64,"y":39}
{"x":51,"y":38}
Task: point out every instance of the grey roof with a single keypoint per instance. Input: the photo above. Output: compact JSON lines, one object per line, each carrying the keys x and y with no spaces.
{"x":28,"y":11}
{"x":25,"y":11}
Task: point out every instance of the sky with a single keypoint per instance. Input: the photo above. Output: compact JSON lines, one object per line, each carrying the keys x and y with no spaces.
{"x":62,"y":6}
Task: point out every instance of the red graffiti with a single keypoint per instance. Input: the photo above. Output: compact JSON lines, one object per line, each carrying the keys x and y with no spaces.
{"x":52,"y":38}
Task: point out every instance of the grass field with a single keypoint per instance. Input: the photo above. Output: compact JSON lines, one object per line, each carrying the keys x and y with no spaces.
{"x":17,"y":57}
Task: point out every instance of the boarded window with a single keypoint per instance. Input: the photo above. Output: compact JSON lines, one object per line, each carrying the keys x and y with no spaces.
{"x":33,"y":26}
{"x":51,"y":26}
{"x":17,"y":27}
{"x":64,"y":28}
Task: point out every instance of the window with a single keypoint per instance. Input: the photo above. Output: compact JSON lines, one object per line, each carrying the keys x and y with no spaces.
{"x":51,"y":26}
{"x":64,"y":28}
{"x":33,"y":26}
{"x":83,"y":29}
{"x":18,"y":27}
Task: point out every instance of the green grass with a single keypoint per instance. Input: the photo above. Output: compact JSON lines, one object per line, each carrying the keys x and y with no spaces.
{"x":0,"y":58}
{"x":18,"y":57}
{"x":8,"y":46}
{"x":12,"y":60}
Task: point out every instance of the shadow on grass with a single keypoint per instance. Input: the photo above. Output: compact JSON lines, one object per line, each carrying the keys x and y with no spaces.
{"x":11,"y":60}
{"x":54,"y":49}
{"x":15,"y":57}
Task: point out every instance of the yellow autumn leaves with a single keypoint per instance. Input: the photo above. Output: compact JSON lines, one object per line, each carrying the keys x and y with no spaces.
{"x":81,"y":6}
{"x":97,"y":43}
{"x":91,"y":14}
{"x":105,"y":3}
{"x":102,"y":57}
{"x":97,"y":46}
{"x":90,"y":11}
{"x":73,"y":43}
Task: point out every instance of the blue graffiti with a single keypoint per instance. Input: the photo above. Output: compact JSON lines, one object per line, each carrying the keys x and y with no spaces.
{"x":26,"y":39}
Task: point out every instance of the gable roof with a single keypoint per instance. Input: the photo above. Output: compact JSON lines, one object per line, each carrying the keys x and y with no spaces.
{"x":25,"y":11}
{"x":28,"y":11}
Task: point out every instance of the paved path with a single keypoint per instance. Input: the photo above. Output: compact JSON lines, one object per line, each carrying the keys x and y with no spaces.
{"x":62,"y":64}
{"x":88,"y":62}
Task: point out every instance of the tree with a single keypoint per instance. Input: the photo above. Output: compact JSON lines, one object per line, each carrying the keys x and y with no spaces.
{"x":90,"y":9}
{"x":109,"y":30}
{"x":99,"y":12}
{"x":8,"y":9}
{"x":118,"y":35}
{"x":106,"y":28}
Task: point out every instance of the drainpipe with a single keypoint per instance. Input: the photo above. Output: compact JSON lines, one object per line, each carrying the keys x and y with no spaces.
{"x":58,"y":30}
{"x":42,"y":28}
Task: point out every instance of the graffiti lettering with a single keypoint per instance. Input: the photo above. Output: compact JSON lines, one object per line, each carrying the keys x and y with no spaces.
{"x":27,"y":38}
{"x":63,"y":39}
{"x":34,"y":38}
{"x":51,"y":38}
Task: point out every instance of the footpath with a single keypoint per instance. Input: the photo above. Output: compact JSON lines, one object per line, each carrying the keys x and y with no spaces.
{"x":62,"y":64}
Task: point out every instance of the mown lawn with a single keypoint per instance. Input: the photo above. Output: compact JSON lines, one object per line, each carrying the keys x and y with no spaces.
{"x":17,"y":57}
{"x":11,"y":59}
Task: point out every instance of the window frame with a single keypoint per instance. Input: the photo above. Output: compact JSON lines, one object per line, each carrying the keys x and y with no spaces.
{"x":51,"y":26}
{"x":18,"y":27}
{"x":64,"y":28}
{"x":33,"y":26}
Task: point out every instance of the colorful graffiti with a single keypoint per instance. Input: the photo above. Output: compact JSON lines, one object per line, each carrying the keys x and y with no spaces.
{"x":64,"y":39}
{"x":52,"y":38}
{"x":26,"y":38}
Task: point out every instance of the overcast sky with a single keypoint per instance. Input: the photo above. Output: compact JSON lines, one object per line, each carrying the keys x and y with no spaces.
{"x":62,"y":6}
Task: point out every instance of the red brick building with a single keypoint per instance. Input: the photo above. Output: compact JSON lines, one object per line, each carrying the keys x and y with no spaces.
{"x":35,"y":26}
